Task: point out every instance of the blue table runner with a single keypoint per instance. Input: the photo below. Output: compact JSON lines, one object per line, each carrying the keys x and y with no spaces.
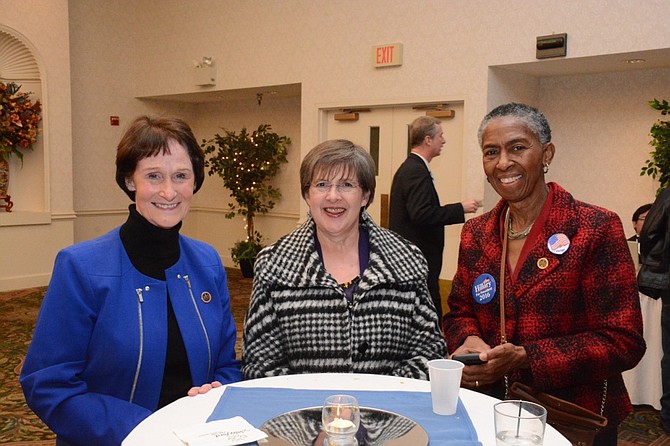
{"x":259,"y":404}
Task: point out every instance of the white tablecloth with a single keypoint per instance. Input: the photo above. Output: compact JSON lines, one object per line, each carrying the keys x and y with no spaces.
{"x":158,"y":428}
{"x":644,"y":381}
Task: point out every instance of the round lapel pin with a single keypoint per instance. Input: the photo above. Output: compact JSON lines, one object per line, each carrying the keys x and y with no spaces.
{"x":484,"y":288}
{"x":206,"y":297}
{"x":542,"y":263}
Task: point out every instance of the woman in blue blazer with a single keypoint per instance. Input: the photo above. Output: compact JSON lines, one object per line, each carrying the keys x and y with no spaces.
{"x":138,"y":317}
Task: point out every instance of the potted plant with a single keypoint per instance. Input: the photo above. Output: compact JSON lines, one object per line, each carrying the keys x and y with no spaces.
{"x":247,"y":163}
{"x":658,"y":167}
{"x":244,"y":253}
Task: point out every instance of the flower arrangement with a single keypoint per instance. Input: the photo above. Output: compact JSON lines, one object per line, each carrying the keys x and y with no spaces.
{"x":19,"y":118}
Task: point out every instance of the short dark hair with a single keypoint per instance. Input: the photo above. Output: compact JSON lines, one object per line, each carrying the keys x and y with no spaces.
{"x":641,"y":210}
{"x":337,"y":155}
{"x":149,"y":136}
{"x":532,"y":117}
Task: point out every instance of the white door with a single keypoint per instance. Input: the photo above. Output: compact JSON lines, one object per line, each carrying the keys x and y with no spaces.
{"x":384,"y":131}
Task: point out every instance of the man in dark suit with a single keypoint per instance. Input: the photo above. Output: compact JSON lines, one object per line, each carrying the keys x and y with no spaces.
{"x":415,"y":211}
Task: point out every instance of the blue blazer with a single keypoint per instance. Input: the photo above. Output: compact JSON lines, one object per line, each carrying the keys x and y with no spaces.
{"x":94,"y":368}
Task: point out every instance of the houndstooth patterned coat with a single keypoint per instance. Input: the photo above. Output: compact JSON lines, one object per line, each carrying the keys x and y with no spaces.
{"x":299,"y":320}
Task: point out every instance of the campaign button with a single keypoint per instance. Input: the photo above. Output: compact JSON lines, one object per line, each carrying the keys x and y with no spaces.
{"x":484,"y":289}
{"x":558,"y":243}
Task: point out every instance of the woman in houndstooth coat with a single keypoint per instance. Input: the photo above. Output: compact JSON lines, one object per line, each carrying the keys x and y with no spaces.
{"x":340,"y":293}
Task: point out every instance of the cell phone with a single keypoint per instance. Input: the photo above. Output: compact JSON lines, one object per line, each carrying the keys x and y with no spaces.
{"x":468,"y":358}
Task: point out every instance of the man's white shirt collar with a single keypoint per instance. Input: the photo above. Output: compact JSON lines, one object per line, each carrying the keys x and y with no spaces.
{"x":425,"y":162}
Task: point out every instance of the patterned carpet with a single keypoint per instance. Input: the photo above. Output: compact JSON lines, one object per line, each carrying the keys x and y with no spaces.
{"x":20,"y":427}
{"x":18,"y":310}
{"x":642,"y":428}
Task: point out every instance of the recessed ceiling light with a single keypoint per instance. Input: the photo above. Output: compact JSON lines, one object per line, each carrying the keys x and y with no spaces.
{"x":634,"y":61}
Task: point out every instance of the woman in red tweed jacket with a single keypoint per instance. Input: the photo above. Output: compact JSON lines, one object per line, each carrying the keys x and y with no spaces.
{"x":572,"y":314}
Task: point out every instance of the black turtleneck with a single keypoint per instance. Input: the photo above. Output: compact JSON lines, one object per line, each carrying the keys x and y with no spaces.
{"x":151,"y":251}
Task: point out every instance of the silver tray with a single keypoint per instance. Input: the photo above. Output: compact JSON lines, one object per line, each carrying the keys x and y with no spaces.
{"x":302,"y":427}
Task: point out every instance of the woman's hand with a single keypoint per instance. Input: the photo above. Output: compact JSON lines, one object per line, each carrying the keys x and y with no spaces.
{"x":471,"y":376}
{"x":193,"y":391}
{"x":472,"y":344}
{"x":508,"y":357}
{"x":499,"y":361}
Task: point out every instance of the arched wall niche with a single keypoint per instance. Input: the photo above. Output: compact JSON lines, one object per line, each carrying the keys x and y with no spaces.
{"x":29,"y":185}
{"x":17,"y":62}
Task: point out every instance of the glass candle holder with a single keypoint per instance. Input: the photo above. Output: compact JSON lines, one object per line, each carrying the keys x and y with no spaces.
{"x":341,"y":418}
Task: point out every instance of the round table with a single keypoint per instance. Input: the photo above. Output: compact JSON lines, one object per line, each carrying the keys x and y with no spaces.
{"x":158,"y":428}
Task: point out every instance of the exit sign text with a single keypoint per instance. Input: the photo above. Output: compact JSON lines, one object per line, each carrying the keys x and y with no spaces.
{"x":387,"y":55}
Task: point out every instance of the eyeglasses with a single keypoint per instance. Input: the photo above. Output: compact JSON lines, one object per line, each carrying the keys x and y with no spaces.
{"x":324,"y":187}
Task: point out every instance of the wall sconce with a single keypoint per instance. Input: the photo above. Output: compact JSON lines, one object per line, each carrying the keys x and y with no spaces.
{"x":204,"y":73}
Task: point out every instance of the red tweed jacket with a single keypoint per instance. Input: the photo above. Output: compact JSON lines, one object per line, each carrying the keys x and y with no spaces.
{"x":577,"y":314}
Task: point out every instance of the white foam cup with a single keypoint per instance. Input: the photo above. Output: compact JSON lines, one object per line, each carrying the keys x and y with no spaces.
{"x":445,"y":381}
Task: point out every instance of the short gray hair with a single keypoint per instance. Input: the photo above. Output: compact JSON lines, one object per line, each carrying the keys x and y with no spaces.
{"x":532,"y":117}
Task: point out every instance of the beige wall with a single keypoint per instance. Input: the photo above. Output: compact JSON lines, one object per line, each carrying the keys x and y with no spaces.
{"x":601,"y":128}
{"x":454,"y":49}
{"x":41,"y":223}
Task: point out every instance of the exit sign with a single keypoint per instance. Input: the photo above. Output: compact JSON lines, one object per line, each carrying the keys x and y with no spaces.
{"x":388,"y":55}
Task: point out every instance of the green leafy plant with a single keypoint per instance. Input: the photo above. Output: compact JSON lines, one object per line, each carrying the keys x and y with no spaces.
{"x":247,"y":249}
{"x":247,"y":163}
{"x":658,"y":166}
